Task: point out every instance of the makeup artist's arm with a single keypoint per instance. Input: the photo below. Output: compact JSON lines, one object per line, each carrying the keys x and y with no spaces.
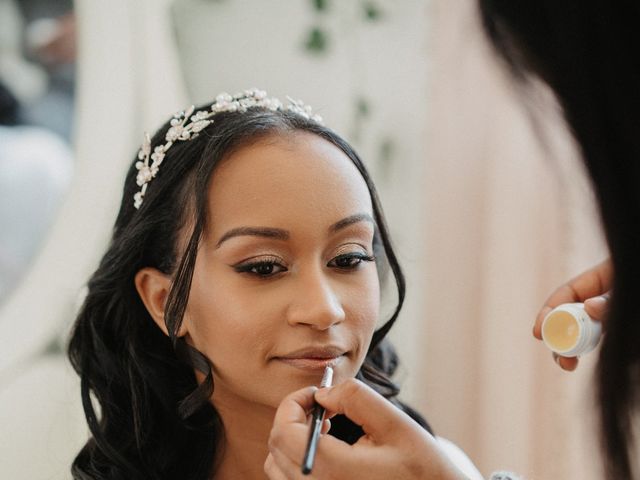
{"x":394,"y":446}
{"x":590,"y":287}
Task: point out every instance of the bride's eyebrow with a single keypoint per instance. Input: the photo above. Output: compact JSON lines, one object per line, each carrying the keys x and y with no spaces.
{"x":350,"y":220}
{"x":280,"y":234}
{"x":266,"y":232}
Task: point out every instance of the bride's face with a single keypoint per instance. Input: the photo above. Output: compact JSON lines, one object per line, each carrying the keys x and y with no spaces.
{"x":284,"y":280}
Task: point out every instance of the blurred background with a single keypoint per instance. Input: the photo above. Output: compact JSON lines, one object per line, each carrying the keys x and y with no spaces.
{"x":487,"y":204}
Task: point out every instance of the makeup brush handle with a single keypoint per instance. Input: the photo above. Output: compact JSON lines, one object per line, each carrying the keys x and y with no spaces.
{"x":314,"y":437}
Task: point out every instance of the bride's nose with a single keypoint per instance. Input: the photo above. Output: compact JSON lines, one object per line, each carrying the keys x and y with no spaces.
{"x":315,"y":302}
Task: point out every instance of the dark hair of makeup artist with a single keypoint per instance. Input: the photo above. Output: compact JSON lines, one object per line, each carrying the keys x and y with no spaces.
{"x":589,"y":54}
{"x":148,"y":417}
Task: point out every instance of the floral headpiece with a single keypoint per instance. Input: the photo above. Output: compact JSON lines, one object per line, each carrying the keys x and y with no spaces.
{"x":186,"y":125}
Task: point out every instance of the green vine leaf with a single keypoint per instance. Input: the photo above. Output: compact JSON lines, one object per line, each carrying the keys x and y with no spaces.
{"x":363,"y":107}
{"x":386,"y":153}
{"x":53,"y":347}
{"x":320,"y":5}
{"x":387,"y":149}
{"x":317,"y":41}
{"x":372,"y":12}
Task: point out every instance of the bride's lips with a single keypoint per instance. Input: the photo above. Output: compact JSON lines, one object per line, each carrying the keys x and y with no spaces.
{"x":313,"y":358}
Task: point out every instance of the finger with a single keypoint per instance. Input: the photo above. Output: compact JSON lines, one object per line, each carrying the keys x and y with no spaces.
{"x":273,"y":470}
{"x":290,"y":427}
{"x":331,"y":453}
{"x":537,"y":326}
{"x":597,"y":307}
{"x":363,"y":406}
{"x":326,"y":426}
{"x":294,"y":407}
{"x":336,"y":459}
{"x":290,"y":469}
{"x":290,"y":440}
{"x":566,"y":363}
{"x":593,"y":282}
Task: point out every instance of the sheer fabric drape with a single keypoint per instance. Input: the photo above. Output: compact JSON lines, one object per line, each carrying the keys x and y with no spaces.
{"x":509,"y":217}
{"x":128,"y":81}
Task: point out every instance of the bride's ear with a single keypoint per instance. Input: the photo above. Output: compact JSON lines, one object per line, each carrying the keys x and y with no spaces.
{"x":153,"y":286}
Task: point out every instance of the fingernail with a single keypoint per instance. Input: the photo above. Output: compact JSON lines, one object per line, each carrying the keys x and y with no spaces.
{"x":322,"y":393}
{"x":597,"y":302}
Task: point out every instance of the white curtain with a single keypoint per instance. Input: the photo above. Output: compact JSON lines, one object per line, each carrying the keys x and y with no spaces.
{"x":128,"y":81}
{"x":501,"y":221}
{"x":509,"y":217}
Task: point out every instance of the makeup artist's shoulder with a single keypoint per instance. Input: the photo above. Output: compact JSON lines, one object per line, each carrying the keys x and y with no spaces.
{"x":460,"y":459}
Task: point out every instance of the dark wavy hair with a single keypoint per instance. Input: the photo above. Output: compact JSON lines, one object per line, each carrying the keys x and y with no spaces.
{"x":589,"y":54}
{"x":148,"y":417}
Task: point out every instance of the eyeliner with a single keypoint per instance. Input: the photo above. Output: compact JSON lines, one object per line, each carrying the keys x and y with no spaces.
{"x":317,"y":418}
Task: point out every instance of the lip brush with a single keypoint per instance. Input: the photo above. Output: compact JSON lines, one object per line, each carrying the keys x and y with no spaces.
{"x":317,"y":417}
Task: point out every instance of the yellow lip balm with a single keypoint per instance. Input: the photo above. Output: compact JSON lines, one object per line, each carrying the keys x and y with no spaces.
{"x":568,"y":331}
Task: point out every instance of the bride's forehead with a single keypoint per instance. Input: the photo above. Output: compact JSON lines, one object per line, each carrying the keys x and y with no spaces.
{"x":295,"y":147}
{"x":302,"y":163}
{"x":286,"y":182}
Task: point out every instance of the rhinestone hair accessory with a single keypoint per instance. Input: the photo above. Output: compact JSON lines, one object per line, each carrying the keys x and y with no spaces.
{"x":187,"y":124}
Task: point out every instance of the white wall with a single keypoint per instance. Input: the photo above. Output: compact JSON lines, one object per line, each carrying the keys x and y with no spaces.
{"x":129,"y":82}
{"x":41,"y":418}
{"x":232,"y":45}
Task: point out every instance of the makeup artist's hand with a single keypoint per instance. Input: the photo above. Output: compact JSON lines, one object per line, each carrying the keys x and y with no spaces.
{"x":591,"y":287}
{"x":394,"y":446}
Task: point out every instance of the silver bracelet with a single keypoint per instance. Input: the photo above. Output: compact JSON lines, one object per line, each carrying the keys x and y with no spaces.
{"x":504,"y":476}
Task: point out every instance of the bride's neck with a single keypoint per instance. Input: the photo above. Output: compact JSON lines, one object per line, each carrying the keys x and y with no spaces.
{"x":246,"y":433}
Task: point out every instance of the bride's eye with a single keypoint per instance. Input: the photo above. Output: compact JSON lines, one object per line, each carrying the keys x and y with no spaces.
{"x":261,"y":268}
{"x":349,"y":261}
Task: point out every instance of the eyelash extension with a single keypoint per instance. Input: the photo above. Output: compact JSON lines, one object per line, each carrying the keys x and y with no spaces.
{"x":247,"y":267}
{"x":361,"y":257}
